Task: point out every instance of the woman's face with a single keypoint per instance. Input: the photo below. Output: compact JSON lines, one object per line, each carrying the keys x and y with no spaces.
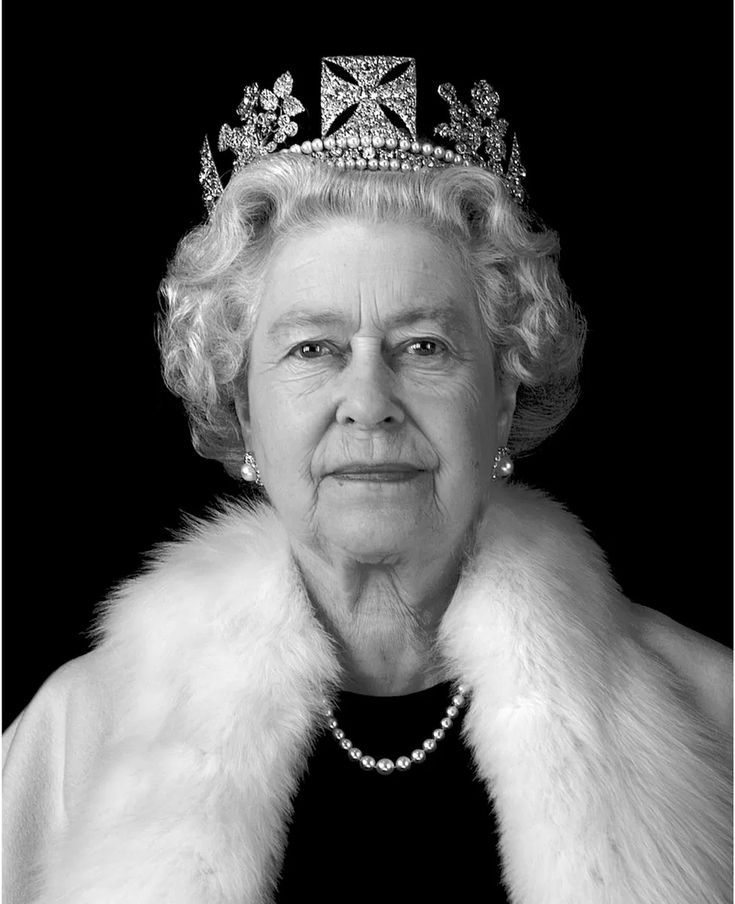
{"x":371,"y":406}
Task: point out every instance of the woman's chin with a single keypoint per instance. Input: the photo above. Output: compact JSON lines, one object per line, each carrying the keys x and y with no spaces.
{"x":373,"y":534}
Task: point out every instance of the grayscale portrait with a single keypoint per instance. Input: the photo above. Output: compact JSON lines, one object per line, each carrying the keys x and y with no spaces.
{"x":425,"y":615}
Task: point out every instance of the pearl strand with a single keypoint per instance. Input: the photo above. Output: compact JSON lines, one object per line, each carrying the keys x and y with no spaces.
{"x":385,"y":766}
{"x":378,"y":152}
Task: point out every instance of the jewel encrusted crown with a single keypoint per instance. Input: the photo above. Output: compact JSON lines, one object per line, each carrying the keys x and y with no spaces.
{"x":368,"y":121}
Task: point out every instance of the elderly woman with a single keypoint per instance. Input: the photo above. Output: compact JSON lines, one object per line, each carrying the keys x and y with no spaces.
{"x":394,"y":675}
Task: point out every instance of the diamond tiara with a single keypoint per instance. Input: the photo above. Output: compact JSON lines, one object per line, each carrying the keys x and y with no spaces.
{"x":368,"y":121}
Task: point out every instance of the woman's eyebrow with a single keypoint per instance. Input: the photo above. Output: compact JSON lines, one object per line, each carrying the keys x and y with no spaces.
{"x":447,"y":316}
{"x":296,"y":319}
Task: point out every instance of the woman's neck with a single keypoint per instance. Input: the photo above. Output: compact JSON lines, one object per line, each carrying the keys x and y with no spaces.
{"x":383,"y":617}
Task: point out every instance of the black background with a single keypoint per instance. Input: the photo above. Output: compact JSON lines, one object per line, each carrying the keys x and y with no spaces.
{"x":625,"y":124}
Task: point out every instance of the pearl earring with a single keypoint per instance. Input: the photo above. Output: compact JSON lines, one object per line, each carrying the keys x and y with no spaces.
{"x":502,"y":464}
{"x":249,"y":470}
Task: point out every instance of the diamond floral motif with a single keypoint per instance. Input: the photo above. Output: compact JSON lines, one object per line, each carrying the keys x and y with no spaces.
{"x":266,"y":121}
{"x":291,"y":106}
{"x":479,"y":134}
{"x":284,"y":86}
{"x":268,"y":100}
{"x":248,"y":102}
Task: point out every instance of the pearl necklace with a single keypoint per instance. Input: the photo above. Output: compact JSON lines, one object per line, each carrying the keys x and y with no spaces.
{"x":385,"y":766}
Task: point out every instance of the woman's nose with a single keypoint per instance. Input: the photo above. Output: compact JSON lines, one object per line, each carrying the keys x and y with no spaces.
{"x":366,"y":396}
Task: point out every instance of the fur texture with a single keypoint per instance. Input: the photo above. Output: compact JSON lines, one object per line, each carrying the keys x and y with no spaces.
{"x":610,"y":785}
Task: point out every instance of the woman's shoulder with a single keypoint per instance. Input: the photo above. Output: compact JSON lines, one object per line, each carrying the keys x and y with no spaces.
{"x":49,"y":753}
{"x":76,"y":697}
{"x":705,"y":665}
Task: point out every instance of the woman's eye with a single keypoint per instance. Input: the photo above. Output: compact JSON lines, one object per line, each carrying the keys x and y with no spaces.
{"x":311,"y":350}
{"x":425,"y":348}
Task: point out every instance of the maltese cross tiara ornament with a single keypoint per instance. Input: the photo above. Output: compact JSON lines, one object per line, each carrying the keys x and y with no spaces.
{"x":368,"y":120}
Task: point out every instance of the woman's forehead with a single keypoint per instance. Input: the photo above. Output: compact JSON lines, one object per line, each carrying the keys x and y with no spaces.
{"x":354,"y":247}
{"x":401,"y":270}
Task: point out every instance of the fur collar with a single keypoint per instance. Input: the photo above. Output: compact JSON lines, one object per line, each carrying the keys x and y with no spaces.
{"x":609,"y":785}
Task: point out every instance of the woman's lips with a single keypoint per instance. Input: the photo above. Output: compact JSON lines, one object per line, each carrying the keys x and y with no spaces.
{"x":391,"y":472}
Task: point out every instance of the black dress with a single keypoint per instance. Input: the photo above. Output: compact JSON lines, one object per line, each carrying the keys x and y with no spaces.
{"x":424,"y":835}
